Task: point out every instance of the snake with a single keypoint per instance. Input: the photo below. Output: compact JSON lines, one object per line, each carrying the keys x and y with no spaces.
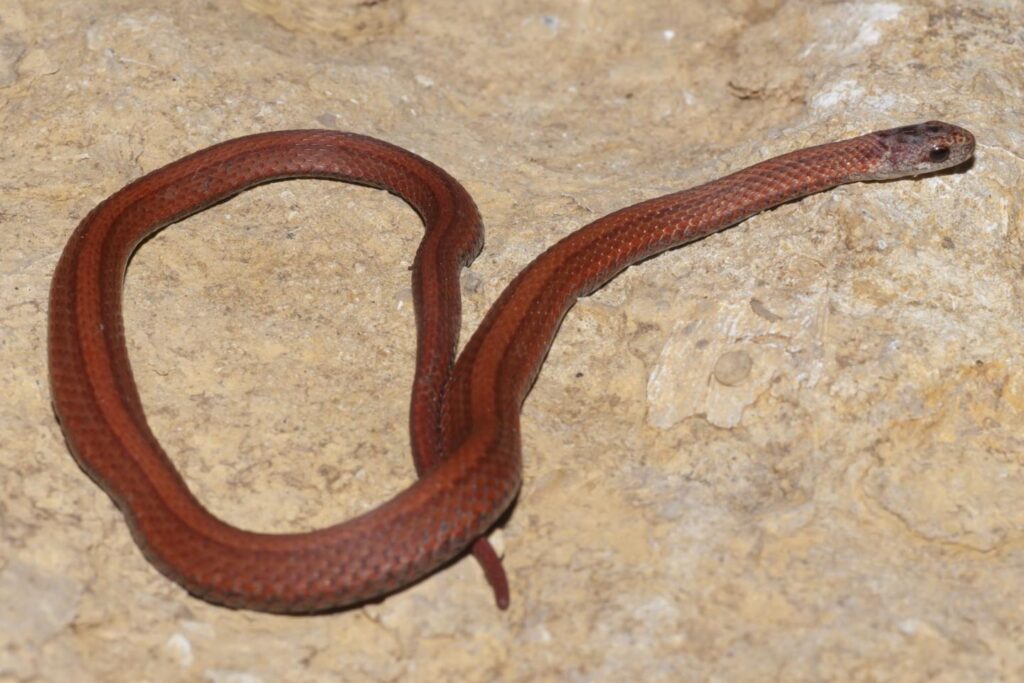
{"x":465,"y":409}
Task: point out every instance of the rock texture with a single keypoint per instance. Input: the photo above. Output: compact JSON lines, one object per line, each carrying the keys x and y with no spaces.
{"x":793,"y":451}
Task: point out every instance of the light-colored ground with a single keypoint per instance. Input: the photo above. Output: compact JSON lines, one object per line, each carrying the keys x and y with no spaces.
{"x":793,"y":451}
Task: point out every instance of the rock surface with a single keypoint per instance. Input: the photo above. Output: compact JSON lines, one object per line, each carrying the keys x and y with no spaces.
{"x":793,"y":451}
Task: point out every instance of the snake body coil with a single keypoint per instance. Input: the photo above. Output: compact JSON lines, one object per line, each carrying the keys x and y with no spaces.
{"x":465,"y":415}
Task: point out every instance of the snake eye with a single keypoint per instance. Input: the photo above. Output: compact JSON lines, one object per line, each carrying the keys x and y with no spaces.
{"x":938,"y":154}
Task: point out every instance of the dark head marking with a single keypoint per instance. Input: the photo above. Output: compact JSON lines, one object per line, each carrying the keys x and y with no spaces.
{"x":922,"y":148}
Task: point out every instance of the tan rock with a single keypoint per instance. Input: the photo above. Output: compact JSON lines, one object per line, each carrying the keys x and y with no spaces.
{"x":792,"y":451}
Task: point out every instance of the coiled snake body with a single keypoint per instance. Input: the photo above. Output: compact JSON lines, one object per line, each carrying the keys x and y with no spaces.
{"x":465,"y":415}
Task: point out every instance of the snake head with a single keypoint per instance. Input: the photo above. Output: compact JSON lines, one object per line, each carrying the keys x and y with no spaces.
{"x":922,"y":148}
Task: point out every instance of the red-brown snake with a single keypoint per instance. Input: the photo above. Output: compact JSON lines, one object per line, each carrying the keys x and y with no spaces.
{"x":465,"y":415}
